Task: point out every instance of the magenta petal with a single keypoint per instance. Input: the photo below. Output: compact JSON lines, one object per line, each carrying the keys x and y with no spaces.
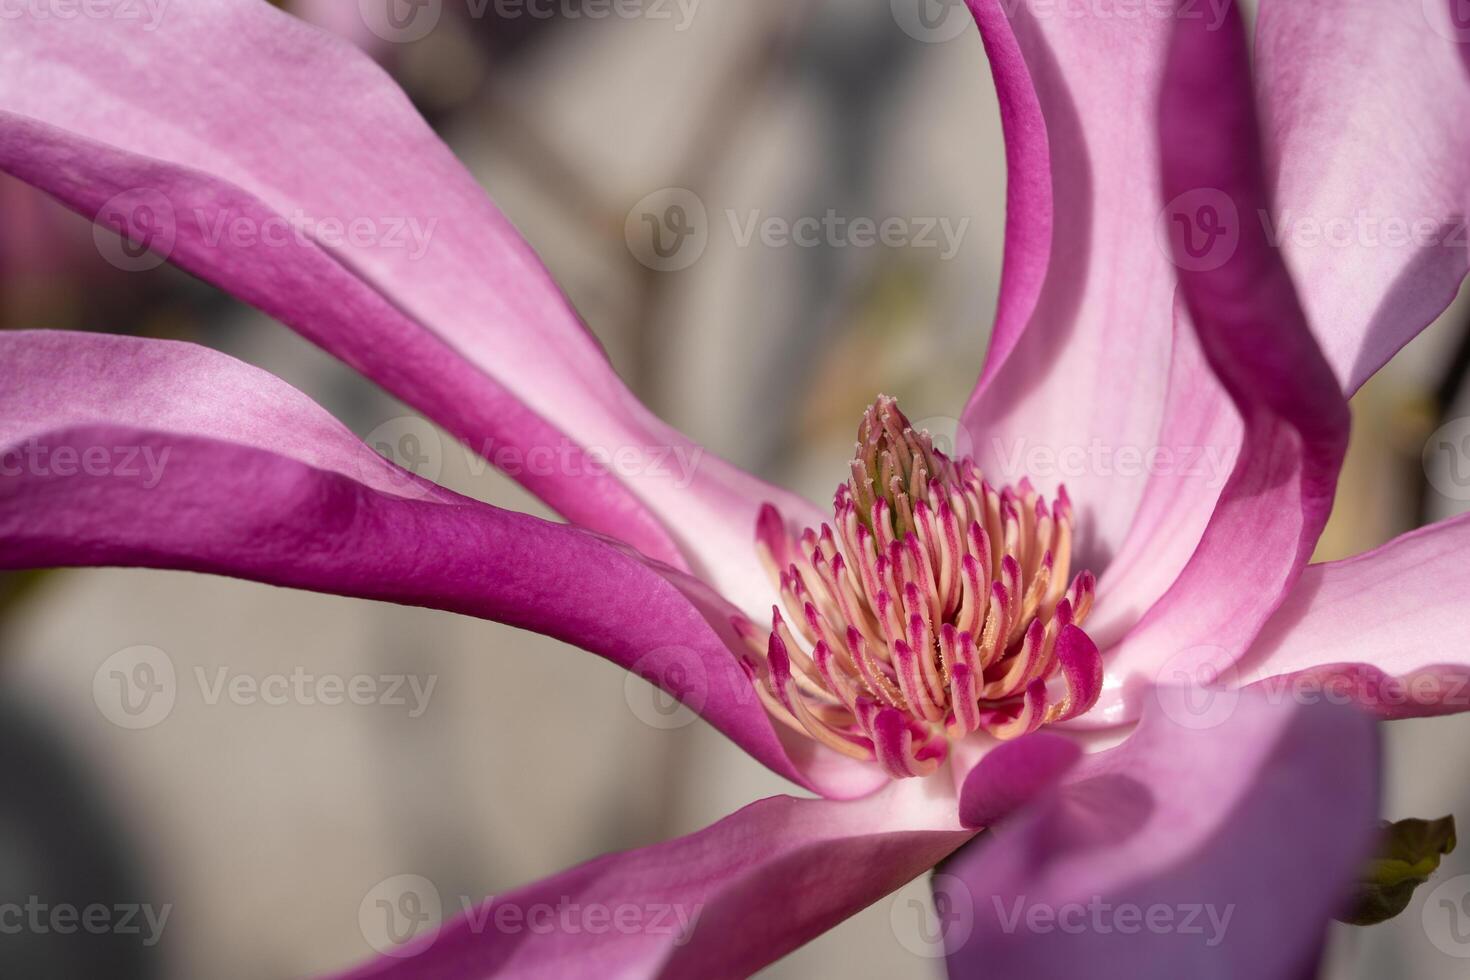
{"x":1215,"y":850}
{"x":1080,"y":354}
{"x":1254,"y":335}
{"x":1388,"y":630}
{"x":284,"y":166}
{"x":1370,"y":157}
{"x":119,"y":451}
{"x":752,"y":888}
{"x":1013,"y":774}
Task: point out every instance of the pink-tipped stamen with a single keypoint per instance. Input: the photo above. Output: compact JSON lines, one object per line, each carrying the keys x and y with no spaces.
{"x":933,"y":607}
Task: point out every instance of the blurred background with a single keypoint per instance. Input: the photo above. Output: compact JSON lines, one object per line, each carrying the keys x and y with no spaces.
{"x":256,"y":833}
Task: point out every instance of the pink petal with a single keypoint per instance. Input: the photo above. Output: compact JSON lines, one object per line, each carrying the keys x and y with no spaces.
{"x":119,"y":451}
{"x":1081,"y":349}
{"x":1387,"y":630}
{"x":1129,"y":868}
{"x":1013,"y":774}
{"x":1255,"y":336}
{"x":755,"y":886}
{"x":1365,"y":126}
{"x":230,"y":114}
{"x":1202,"y":437}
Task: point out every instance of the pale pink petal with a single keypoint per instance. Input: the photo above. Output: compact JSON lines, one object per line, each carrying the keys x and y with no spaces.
{"x":221,"y":129}
{"x":1080,"y":357}
{"x":1365,"y":108}
{"x":1388,"y":630}
{"x":1214,"y":851}
{"x":1254,"y":335}
{"x":120,"y":451}
{"x":751,"y":888}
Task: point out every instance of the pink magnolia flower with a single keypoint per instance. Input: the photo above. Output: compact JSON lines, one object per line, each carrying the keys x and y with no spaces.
{"x":947,"y":662}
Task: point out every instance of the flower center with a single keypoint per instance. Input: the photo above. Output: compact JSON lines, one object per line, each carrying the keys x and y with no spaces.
{"x":939,"y":606}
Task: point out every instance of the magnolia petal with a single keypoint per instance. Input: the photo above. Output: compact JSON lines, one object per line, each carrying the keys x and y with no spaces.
{"x":1213,"y":851}
{"x":1254,"y":335}
{"x":751,"y":888}
{"x":120,"y":451}
{"x":1366,"y":102}
{"x":1387,"y":630}
{"x":1013,"y":774}
{"x":1080,"y":355}
{"x":282,"y":165}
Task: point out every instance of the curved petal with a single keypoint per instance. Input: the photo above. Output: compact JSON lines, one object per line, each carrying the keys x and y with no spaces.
{"x":1386,"y":630}
{"x":1365,"y":108}
{"x":1254,"y":335}
{"x":1197,"y":449}
{"x":282,"y":165}
{"x":1215,"y":850}
{"x":723,"y":902}
{"x":1013,"y":774}
{"x":119,"y":451}
{"x":1075,"y":380}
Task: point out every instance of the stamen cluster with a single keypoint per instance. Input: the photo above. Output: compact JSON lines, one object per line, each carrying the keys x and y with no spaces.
{"x":934,"y":606}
